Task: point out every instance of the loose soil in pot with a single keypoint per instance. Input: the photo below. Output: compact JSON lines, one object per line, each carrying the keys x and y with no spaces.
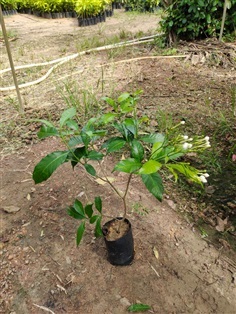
{"x":116,"y":230}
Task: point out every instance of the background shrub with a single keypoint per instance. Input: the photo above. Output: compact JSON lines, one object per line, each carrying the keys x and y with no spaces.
{"x":197,"y":19}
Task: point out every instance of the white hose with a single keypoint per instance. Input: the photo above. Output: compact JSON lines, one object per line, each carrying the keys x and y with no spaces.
{"x":60,"y":61}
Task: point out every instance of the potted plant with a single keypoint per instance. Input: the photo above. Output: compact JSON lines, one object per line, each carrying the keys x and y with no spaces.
{"x":68,"y":7}
{"x":89,"y":11}
{"x":25,"y":6}
{"x":119,"y":131}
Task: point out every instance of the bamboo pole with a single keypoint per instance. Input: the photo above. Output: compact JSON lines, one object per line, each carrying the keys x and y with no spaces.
{"x":223,"y":21}
{"x":4,"y":31}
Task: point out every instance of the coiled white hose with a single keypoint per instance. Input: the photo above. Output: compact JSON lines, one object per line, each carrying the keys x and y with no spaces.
{"x":61,"y":61}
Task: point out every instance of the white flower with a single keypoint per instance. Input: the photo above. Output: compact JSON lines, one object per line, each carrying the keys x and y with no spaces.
{"x":190,"y":145}
{"x":203,"y":179}
{"x":207,"y":138}
{"x":182,"y":122}
{"x":185,"y":137}
{"x":185,"y":146}
{"x":190,"y":139}
{"x":206,"y":175}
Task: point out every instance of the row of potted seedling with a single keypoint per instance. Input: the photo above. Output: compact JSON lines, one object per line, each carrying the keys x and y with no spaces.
{"x":60,"y":8}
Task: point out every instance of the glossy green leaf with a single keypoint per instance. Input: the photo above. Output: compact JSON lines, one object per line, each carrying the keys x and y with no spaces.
{"x":137,"y":150}
{"x":73,"y":213}
{"x":66,"y":115}
{"x":157,"y":150}
{"x":98,"y":228}
{"x":78,"y":206}
{"x":138,"y":307}
{"x":89,"y":168}
{"x":89,"y":210}
{"x":151,"y":166}
{"x":153,"y":183}
{"x":129,"y":165}
{"x":80,"y":233}
{"x":75,"y":155}
{"x":93,"y":219}
{"x":131,"y":125}
{"x":46,"y":131}
{"x":45,"y":168}
{"x":153,"y":138}
{"x":114,"y":144}
{"x":98,"y":203}
{"x":94,"y":155}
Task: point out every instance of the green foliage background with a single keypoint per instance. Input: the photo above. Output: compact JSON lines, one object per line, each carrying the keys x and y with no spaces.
{"x":197,"y":19}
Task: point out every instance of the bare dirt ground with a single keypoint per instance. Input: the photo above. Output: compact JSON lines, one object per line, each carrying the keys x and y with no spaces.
{"x":40,"y":264}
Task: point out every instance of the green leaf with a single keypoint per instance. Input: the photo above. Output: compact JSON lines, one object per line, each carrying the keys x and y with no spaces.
{"x":108,"y":117}
{"x":153,"y":138}
{"x":45,"y":168}
{"x":93,"y":219}
{"x":158,"y":151}
{"x":80,"y":233}
{"x":138,"y":307}
{"x":46,"y":131}
{"x":98,"y":228}
{"x":78,"y":206}
{"x":131,"y":125}
{"x":153,"y":183}
{"x":208,"y":18}
{"x":66,"y":115}
{"x":47,"y":123}
{"x":185,"y":169}
{"x":89,"y":210}
{"x":126,"y":107}
{"x":128,"y":165}
{"x":89,"y":168}
{"x":94,"y":155}
{"x":98,"y":203}
{"x":74,"y":141}
{"x":76,"y":155}
{"x":137,"y":150}
{"x":72,"y":124}
{"x":85,"y":138}
{"x":123,"y":97}
{"x":151,"y":166}
{"x":110,"y":102}
{"x":73,"y":213}
{"x":114,"y":144}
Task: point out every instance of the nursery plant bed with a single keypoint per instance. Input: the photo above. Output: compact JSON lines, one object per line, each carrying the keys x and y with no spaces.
{"x":40,"y":265}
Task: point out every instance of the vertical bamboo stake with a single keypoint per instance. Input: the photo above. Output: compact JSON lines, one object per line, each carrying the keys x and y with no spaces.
{"x":21,"y":106}
{"x":223,"y":21}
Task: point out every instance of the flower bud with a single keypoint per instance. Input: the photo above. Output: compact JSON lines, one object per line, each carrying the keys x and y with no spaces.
{"x":203,"y":179}
{"x":185,"y":146}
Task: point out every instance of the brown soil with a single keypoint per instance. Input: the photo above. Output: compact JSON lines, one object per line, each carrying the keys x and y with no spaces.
{"x":116,"y":230}
{"x":41,"y":268}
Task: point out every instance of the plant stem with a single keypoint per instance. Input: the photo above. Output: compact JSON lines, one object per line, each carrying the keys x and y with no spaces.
{"x":124,"y":196}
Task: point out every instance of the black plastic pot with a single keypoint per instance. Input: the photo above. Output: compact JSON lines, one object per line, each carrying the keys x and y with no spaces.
{"x":120,"y":251}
